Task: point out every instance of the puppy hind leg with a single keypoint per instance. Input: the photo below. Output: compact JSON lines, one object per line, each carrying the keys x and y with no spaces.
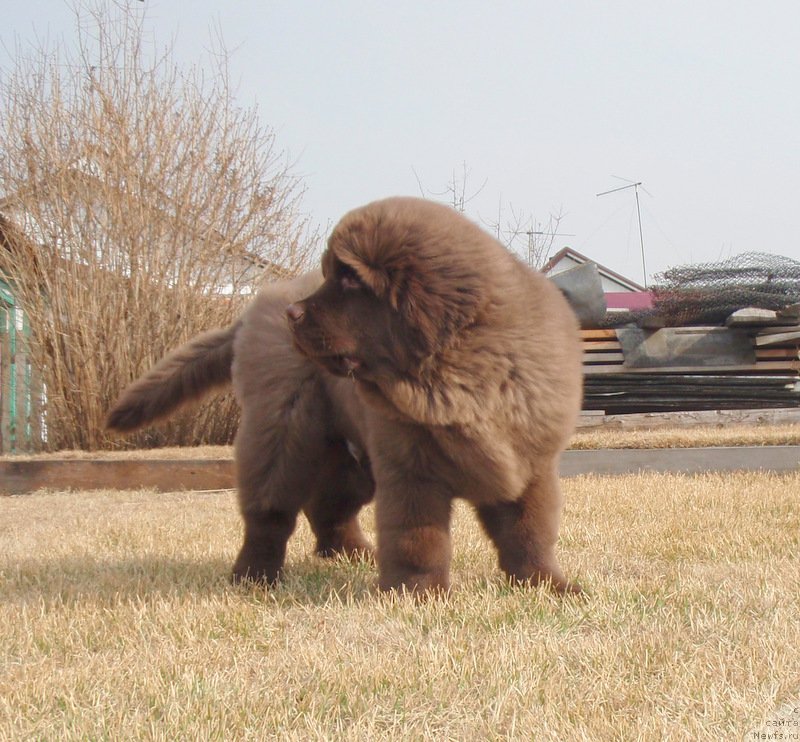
{"x":275,"y":478}
{"x":343,"y":487}
{"x":263,"y":552}
{"x":525,"y":533}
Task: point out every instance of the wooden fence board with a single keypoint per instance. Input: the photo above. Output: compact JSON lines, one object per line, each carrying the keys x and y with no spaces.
{"x":18,"y":477}
{"x":599,"y":334}
{"x":779,"y":330}
{"x":760,"y":367}
{"x":217,"y":474}
{"x":779,"y":338}
{"x":590,"y":345}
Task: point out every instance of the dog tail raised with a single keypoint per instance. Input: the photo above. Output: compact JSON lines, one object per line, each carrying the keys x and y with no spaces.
{"x":182,"y":376}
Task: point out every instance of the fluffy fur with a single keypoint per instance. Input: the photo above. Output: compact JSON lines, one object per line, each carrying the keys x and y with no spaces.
{"x":426,"y":363}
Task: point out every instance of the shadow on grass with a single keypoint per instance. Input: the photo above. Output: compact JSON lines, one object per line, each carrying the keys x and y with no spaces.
{"x":315,"y":581}
{"x":307,"y":581}
{"x":312,"y":580}
{"x":79,"y":578}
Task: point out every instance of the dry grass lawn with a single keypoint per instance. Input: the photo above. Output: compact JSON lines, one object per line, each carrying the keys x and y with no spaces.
{"x":118,"y":623}
{"x":687,"y":437}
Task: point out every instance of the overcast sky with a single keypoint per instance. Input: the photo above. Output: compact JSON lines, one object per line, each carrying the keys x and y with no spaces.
{"x":544,"y":101}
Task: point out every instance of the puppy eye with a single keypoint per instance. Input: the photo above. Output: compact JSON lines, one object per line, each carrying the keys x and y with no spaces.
{"x":349,"y":280}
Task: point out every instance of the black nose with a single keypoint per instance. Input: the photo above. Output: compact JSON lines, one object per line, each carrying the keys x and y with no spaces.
{"x":295,"y":312}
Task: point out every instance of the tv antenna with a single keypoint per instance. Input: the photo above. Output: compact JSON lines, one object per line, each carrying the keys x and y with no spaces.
{"x":636,"y":185}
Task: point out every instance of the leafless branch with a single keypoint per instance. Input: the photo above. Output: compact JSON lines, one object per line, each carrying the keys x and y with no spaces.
{"x":151,"y":206}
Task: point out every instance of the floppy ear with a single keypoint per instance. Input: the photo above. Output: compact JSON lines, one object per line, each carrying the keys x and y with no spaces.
{"x":437,"y":300}
{"x":421,"y":259}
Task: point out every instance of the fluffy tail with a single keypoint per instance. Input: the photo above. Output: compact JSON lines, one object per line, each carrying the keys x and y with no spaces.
{"x":181,"y":377}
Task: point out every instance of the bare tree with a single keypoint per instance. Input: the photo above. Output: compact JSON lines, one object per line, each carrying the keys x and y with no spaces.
{"x":150,"y":206}
{"x":529,"y":238}
{"x":456,"y":192}
{"x":523,"y":235}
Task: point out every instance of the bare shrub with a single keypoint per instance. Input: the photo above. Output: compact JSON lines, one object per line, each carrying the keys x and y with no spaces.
{"x":150,"y":204}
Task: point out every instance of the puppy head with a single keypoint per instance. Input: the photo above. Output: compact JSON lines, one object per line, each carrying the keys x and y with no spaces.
{"x":422,"y":259}
{"x":402,"y":277}
{"x":348,"y":330}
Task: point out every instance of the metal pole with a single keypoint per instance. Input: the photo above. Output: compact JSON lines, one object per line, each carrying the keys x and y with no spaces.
{"x":635,"y":187}
{"x":641,"y":238}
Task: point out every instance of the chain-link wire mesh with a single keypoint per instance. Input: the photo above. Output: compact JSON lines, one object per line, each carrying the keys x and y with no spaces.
{"x":707,"y":293}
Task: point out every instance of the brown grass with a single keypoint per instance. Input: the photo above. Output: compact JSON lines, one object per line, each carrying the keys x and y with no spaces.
{"x":677,"y":437}
{"x":119,"y":623}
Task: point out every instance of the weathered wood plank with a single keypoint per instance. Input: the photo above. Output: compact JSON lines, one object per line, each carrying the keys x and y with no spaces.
{"x":671,"y":381}
{"x":591,"y":345}
{"x":589,"y":358}
{"x":776,"y":338}
{"x":627,"y":404}
{"x":760,"y":367}
{"x":18,"y":477}
{"x":69,"y":474}
{"x":709,"y":418}
{"x":779,"y":330}
{"x":599,"y":334}
{"x":771,"y":354}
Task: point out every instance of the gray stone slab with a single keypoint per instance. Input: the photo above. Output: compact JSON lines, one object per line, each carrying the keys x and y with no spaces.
{"x":686,"y":347}
{"x":584,"y":291}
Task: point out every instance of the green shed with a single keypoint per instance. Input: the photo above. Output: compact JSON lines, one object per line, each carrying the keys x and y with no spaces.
{"x":21,"y":392}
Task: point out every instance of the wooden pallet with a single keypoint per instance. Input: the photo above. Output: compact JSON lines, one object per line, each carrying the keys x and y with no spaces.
{"x":770,"y":378}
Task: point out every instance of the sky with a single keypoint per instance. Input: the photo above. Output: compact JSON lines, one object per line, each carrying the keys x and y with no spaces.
{"x":543,"y":104}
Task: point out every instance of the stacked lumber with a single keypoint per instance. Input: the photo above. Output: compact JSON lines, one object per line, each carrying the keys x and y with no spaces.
{"x":754,"y":363}
{"x":602,"y":351}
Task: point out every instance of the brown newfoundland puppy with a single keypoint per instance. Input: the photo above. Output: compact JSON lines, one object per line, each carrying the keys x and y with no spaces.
{"x":425,"y":364}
